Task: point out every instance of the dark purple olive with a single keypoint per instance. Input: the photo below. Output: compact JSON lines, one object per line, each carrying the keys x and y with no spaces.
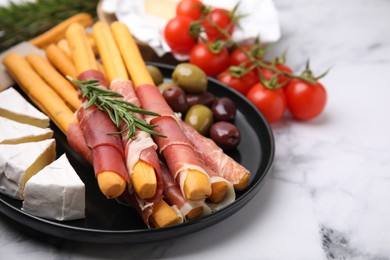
{"x":176,"y":99}
{"x":225,"y":135}
{"x":206,"y":98}
{"x":224,"y":109}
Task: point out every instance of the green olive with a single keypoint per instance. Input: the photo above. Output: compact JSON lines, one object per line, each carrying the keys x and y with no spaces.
{"x":166,"y":85}
{"x":190,"y":78}
{"x":156,"y":74}
{"x":200,"y":117}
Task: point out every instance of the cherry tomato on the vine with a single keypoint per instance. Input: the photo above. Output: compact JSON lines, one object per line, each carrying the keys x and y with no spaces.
{"x":241,"y":84}
{"x":304,"y":100}
{"x":221,"y":18}
{"x":281,"y":78}
{"x":177,"y":35}
{"x":211,"y":63}
{"x":271,"y":102}
{"x":190,"y":8}
{"x":238,"y":57}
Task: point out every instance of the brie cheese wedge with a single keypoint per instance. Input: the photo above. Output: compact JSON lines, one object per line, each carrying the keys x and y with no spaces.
{"x":14,"y":106}
{"x":56,"y":192}
{"x":12,"y":132}
{"x":18,"y":162}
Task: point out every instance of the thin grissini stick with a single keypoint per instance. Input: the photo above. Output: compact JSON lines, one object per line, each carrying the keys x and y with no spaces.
{"x":164,"y":216}
{"x":92,"y":41}
{"x":222,"y":191}
{"x":56,"y":33}
{"x":82,"y":53}
{"x":159,"y":215}
{"x":131,"y":55}
{"x":61,"y":61}
{"x":38,"y":91}
{"x":172,"y":193}
{"x":109,"y":52}
{"x":63,"y":45}
{"x":194,"y":181}
{"x":54,"y":79}
{"x":140,"y":150}
{"x":214,"y":157}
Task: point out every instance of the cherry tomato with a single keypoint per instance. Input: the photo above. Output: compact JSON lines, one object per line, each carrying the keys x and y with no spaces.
{"x":190,"y":8}
{"x":281,"y":79}
{"x":179,"y":26}
{"x":304,"y":100}
{"x":238,"y":57}
{"x":241,"y":84}
{"x":271,"y":102}
{"x":211,"y":63}
{"x":220,"y":17}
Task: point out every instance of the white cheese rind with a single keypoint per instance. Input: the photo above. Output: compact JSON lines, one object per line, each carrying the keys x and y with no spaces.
{"x":56,"y":192}
{"x":14,"y":106}
{"x":12,"y":132}
{"x":18,"y":162}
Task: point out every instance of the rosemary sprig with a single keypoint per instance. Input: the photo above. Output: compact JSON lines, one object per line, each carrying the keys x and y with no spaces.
{"x":118,"y":109}
{"x":26,"y":19}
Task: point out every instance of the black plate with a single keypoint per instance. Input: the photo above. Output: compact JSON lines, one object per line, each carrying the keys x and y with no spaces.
{"x":108,"y":222}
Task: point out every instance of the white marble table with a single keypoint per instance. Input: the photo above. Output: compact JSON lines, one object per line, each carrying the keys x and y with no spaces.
{"x":327,"y":196}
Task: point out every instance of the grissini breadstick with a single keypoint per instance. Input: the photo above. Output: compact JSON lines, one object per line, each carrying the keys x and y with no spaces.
{"x":55,"y":80}
{"x":131,"y":55}
{"x":40,"y":93}
{"x":61,"y":61}
{"x":163,"y":215}
{"x":64,"y":46}
{"x":82,"y":53}
{"x":56,"y":33}
{"x":108,"y":51}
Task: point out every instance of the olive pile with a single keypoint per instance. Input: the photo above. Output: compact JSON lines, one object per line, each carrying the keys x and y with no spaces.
{"x":210,"y":115}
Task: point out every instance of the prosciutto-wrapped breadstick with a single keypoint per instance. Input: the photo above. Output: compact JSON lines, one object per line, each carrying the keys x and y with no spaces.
{"x":140,"y":151}
{"x":106,"y":149}
{"x":214,"y":157}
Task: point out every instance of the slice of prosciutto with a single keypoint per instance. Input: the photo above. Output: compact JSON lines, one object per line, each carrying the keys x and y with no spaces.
{"x":177,"y":151}
{"x":141,"y":146}
{"x":106,"y":149}
{"x":214,"y":157}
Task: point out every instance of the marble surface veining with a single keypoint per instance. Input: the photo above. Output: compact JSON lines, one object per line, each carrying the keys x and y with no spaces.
{"x":327,"y":196}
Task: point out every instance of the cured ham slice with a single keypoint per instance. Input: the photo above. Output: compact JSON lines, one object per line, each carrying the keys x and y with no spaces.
{"x":214,"y":157}
{"x":175,"y":148}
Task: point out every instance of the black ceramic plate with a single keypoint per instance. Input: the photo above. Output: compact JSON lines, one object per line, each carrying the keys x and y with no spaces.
{"x":108,"y":222}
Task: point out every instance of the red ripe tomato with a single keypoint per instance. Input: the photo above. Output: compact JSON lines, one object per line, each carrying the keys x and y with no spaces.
{"x":221,"y":18}
{"x":271,"y":102}
{"x":238,"y":57}
{"x":177,"y":35}
{"x":190,"y":8}
{"x":304,"y":100}
{"x":241,"y":84}
{"x":211,"y":63}
{"x":281,"y":79}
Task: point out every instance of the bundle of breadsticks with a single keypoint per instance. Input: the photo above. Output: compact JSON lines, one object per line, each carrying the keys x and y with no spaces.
{"x":170,"y":177}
